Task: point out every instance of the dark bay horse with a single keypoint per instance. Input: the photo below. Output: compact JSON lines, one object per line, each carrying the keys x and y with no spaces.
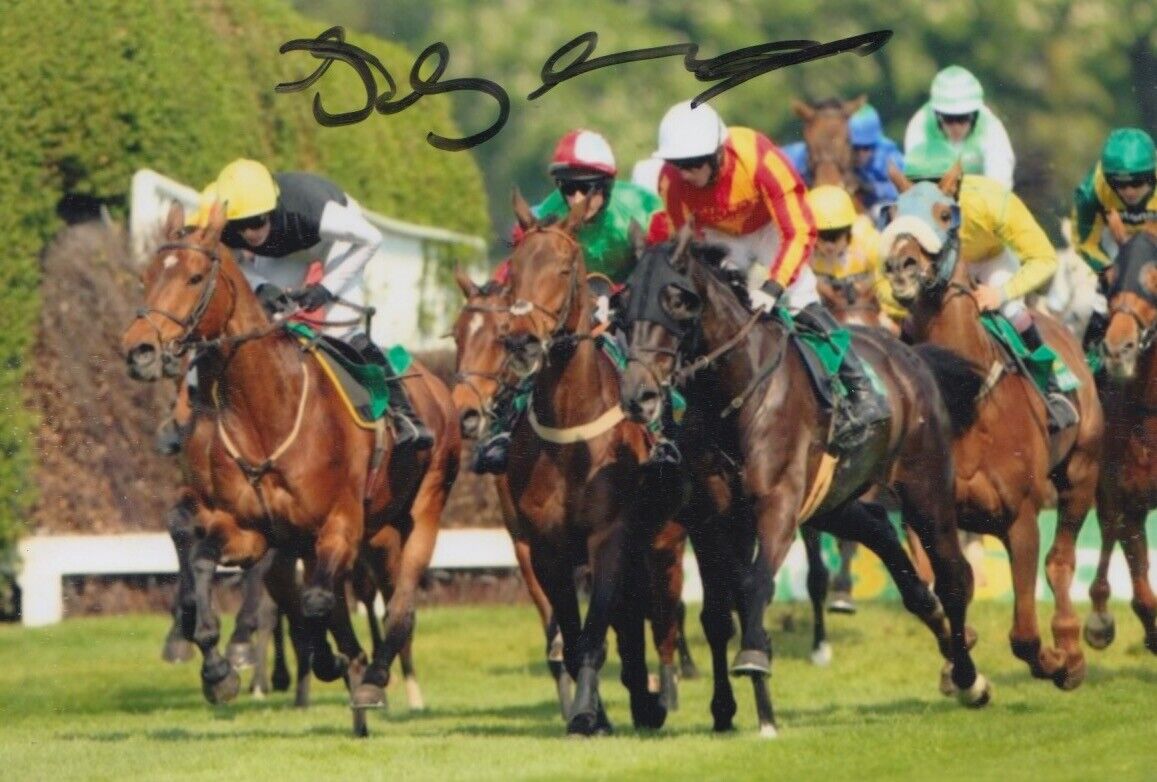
{"x":1127,"y":490}
{"x":275,"y":458}
{"x":757,"y":410}
{"x":1005,"y":462}
{"x":829,"y":150}
{"x":575,"y":472}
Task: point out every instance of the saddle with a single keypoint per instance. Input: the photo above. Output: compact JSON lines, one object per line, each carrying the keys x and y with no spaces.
{"x":1040,"y":364}
{"x":360,"y":384}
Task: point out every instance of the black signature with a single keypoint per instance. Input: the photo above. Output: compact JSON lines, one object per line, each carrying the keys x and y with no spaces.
{"x":730,"y":69}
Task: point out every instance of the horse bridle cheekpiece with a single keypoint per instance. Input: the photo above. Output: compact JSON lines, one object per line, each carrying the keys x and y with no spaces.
{"x":913,"y":216}
{"x":189,"y":322}
{"x":522,"y":307}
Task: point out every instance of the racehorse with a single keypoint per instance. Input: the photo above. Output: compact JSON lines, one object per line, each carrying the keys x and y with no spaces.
{"x":483,"y":374}
{"x":1128,"y":485}
{"x":1005,"y":462}
{"x":852,"y":301}
{"x":753,"y":393}
{"x":575,"y":470}
{"x":260,"y":405}
{"x":829,"y":150}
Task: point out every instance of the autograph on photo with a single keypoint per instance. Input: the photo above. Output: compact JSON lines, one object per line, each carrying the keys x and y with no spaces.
{"x":729,"y":70}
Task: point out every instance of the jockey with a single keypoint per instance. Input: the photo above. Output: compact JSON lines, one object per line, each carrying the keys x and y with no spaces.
{"x":308,"y":237}
{"x":1007,"y":253}
{"x":955,"y":113}
{"x":872,"y":152}
{"x":583,"y":169}
{"x":1123,"y":181}
{"x":739,"y":190}
{"x":847,"y":244}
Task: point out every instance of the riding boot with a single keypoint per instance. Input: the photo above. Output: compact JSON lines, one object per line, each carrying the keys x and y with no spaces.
{"x":410,"y":430}
{"x":491,"y":454}
{"x":863,"y":408}
{"x":1062,"y":412}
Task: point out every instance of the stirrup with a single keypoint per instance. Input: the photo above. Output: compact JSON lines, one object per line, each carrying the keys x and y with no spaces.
{"x":491,"y":456}
{"x":412,"y":434}
{"x":665,"y":452}
{"x":1062,"y":412}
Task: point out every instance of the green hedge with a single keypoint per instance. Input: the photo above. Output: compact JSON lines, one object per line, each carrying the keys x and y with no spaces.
{"x":94,"y":91}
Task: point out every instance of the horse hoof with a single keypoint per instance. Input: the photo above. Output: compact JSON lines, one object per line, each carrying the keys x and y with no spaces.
{"x":583,"y":725}
{"x":1100,"y":630}
{"x":368,"y":696}
{"x":222,"y":691}
{"x":179,"y":651}
{"x":1071,"y":677}
{"x":768,"y":732}
{"x":751,"y":661}
{"x":687,"y":670}
{"x":317,"y":603}
{"x":822,"y":655}
{"x":970,"y":637}
{"x":647,"y":712}
{"x":842,"y":603}
{"x":669,"y":688}
{"x":978,"y":695}
{"x":947,"y":686}
{"x":414,"y":695}
{"x":240,"y":655}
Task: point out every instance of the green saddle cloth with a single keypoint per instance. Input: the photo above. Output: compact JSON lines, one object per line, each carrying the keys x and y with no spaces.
{"x":1041,"y":363}
{"x":364,"y":383}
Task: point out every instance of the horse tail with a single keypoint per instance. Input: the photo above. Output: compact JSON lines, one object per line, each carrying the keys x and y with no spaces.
{"x":959,"y":381}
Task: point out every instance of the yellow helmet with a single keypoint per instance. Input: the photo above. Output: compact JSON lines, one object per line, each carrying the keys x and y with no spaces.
{"x":199,"y":217}
{"x":248,"y":189}
{"x":832,"y":207}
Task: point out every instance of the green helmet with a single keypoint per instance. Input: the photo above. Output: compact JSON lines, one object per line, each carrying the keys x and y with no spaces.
{"x":930,"y":160}
{"x":1128,"y":151}
{"x":956,"y":91}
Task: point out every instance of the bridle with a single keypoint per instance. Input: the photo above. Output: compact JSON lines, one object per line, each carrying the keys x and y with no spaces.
{"x":522,"y":307}
{"x":498,"y":376}
{"x":189,"y":322}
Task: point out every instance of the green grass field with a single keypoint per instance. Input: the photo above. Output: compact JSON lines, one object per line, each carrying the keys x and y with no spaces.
{"x":90,"y":699}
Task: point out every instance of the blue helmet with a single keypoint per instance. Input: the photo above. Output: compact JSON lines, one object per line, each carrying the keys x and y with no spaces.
{"x":864,"y":127}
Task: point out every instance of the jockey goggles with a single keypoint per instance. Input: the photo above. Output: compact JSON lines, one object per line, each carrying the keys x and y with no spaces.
{"x":834,"y":234}
{"x":1119,"y":181}
{"x":691,"y":163}
{"x":569,"y":187}
{"x":956,"y":119}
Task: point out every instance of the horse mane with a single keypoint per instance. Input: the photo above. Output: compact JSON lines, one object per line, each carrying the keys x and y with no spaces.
{"x":711,"y":256}
{"x":959,"y":381}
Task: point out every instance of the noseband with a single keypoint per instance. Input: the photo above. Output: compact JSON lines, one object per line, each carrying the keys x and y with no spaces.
{"x":524,"y":307}
{"x":188,"y":323}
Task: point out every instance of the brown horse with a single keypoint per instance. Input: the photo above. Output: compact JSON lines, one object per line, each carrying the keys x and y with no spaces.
{"x":1005,"y":462}
{"x":575,"y":471}
{"x":852,"y":302}
{"x":829,"y":150}
{"x":1128,"y":485}
{"x":259,"y":477}
{"x":756,"y":408}
{"x":483,"y":375}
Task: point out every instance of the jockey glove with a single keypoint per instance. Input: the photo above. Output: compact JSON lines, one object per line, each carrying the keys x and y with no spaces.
{"x":313,"y":296}
{"x":767,"y":296}
{"x":272,"y":298}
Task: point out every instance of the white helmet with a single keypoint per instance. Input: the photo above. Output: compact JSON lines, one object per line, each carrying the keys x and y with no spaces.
{"x":687,"y":132}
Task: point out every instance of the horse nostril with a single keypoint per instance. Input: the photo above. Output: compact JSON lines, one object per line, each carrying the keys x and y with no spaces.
{"x":470,"y":422}
{"x":141,"y":353}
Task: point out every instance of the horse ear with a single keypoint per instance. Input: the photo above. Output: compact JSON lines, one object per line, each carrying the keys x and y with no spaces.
{"x":950,"y":182}
{"x":464,"y":282}
{"x":174,"y":221}
{"x":802,"y":110}
{"x":576,"y":217}
{"x":854,"y":105}
{"x":216,"y":224}
{"x":522,"y":211}
{"x":897,"y":177}
{"x":682,"y":243}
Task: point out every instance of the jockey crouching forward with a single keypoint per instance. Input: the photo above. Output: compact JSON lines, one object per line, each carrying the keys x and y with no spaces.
{"x":738,"y":189}
{"x":1122,"y":183}
{"x":1007,"y":253}
{"x":308,"y":237}
{"x":583,"y":169}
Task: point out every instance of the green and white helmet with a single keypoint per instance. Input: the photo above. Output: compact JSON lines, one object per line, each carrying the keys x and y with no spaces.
{"x":1128,"y":151}
{"x":956,"y":91}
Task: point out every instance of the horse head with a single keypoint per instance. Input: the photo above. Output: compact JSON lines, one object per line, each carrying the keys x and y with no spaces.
{"x":482,"y":370}
{"x":1132,"y":305}
{"x":548,"y":297}
{"x":921,"y":244}
{"x":192,"y":288}
{"x":825,"y":134}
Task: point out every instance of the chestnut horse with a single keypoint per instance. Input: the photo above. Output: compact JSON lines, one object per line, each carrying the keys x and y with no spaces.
{"x":1128,"y":486}
{"x":829,"y":150}
{"x":257,"y":473}
{"x":575,"y":475}
{"x":757,"y":410}
{"x":482,"y":376}
{"x":1005,"y":462}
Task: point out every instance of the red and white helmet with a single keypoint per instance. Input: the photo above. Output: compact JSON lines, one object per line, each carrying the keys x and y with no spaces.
{"x":583,"y":152}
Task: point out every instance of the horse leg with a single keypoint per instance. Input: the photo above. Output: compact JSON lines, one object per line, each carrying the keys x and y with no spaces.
{"x":336,"y":550}
{"x":240,"y":648}
{"x":1073,"y":505}
{"x":842,"y":602}
{"x":687,"y":667}
{"x":553,"y":571}
{"x":1136,"y":546}
{"x":1100,"y":627}
{"x":178,"y":646}
{"x":928,"y":511}
{"x":918,"y":555}
{"x":715,"y":570}
{"x":281,"y":584}
{"x":817,"y":590}
{"x":648,"y":709}
{"x":260,"y":685}
{"x":219,"y":682}
{"x":665,"y":568}
{"x":1022,"y":541}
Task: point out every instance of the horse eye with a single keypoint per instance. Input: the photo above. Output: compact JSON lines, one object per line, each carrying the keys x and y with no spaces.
{"x":196,"y":279}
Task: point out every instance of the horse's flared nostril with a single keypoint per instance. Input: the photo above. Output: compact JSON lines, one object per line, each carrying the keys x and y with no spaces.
{"x":470,"y":422}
